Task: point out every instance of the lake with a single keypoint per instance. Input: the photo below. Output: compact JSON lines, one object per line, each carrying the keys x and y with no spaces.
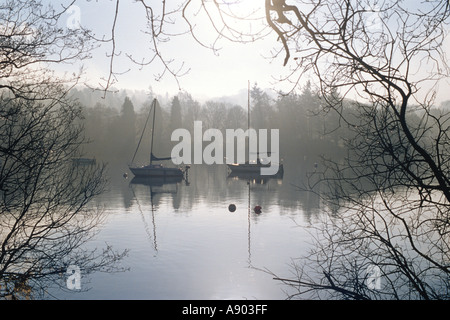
{"x":184,"y":243}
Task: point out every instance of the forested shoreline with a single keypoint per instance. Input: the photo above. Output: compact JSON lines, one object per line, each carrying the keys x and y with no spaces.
{"x":113,"y":123}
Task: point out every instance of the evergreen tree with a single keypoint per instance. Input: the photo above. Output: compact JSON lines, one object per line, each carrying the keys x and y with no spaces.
{"x":126,"y":129}
{"x":175,"y":114}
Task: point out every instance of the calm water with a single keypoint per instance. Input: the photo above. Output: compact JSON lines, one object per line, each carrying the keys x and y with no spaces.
{"x":184,"y":243}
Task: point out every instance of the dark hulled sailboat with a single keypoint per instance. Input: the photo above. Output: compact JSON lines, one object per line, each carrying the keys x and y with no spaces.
{"x":154,"y":169}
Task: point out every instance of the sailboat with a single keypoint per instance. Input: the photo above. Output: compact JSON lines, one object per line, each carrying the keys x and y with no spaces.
{"x":154,"y":169}
{"x":251,"y":168}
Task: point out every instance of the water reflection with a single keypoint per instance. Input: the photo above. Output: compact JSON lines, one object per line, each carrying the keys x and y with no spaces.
{"x":156,"y":181}
{"x":256,"y":180}
{"x":216,"y":184}
{"x":185,"y":243}
{"x":156,"y":186}
{"x":191,"y":225}
{"x":182,"y":240}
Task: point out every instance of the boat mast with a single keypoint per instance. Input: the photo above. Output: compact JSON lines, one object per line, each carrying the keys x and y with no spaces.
{"x":248,"y":106}
{"x":248,"y":121}
{"x":153,"y":129}
{"x":142,"y":135}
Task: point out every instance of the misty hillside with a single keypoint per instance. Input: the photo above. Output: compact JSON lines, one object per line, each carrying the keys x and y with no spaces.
{"x":114,"y":123}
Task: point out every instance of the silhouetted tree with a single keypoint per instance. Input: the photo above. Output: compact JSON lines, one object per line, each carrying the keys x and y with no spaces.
{"x":175,"y":114}
{"x":126,"y":139}
{"x":261,"y":108}
{"x":388,"y":199}
{"x":214,"y":114}
{"x":390,"y":196}
{"x":31,"y":41}
{"x":191,"y":110}
{"x":44,"y":195}
{"x":236,"y":118}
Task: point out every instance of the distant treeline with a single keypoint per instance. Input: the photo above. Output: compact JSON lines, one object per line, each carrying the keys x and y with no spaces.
{"x":114,"y":124}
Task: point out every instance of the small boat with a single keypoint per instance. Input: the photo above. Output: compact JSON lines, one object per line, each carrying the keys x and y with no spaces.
{"x":252,"y":167}
{"x":253,"y":171}
{"x":154,"y":170}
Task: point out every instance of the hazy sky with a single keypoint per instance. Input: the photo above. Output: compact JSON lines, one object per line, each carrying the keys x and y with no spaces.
{"x":209,"y":75}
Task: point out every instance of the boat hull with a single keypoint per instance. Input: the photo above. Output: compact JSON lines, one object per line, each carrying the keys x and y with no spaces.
{"x":156,"y":171}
